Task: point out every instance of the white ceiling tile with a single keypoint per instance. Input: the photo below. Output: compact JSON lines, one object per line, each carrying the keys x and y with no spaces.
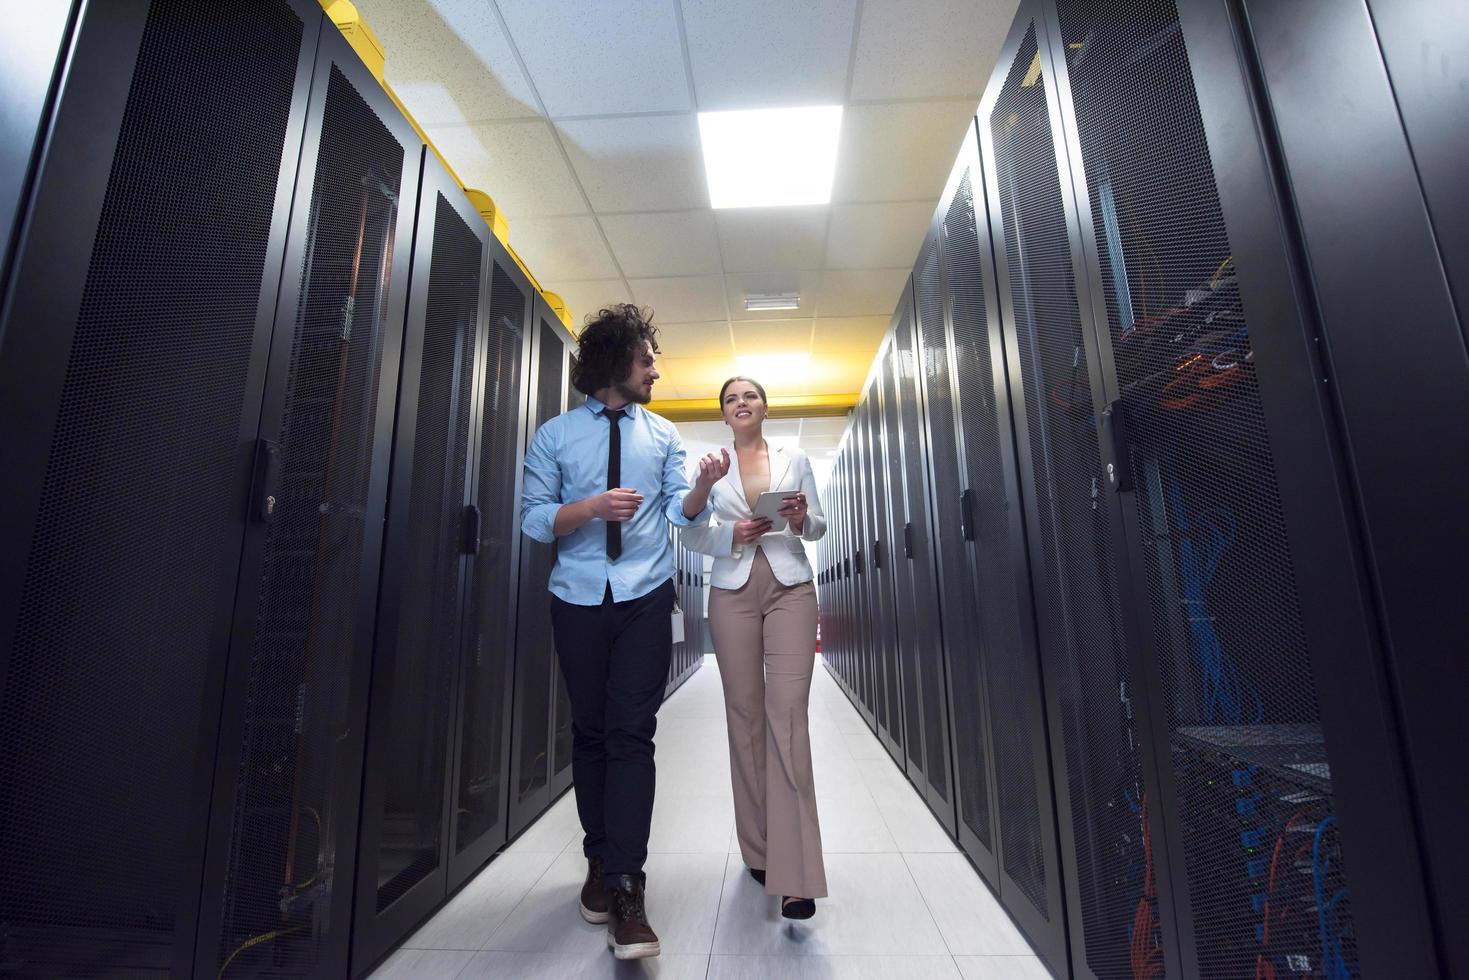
{"x":849,"y":333}
{"x":860,"y":292}
{"x":689,"y":299}
{"x":877,"y":235}
{"x":695,"y":339}
{"x":765,"y":239}
{"x":680,"y":243}
{"x":648,"y":163}
{"x":803,"y":283}
{"x":772,"y":337}
{"x":589,"y":59}
{"x":758,"y":54}
{"x":588,"y":296}
{"x":917,"y":50}
{"x":562,"y":249}
{"x":449,"y":61}
{"x":899,"y":152}
{"x":517,"y":163}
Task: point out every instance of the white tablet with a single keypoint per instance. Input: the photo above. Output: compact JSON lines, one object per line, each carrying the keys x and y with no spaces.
{"x":769,"y":505}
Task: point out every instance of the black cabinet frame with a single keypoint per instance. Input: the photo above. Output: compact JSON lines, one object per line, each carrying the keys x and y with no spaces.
{"x":334,"y":53}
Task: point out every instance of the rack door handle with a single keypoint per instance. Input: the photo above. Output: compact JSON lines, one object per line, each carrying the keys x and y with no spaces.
{"x":265,"y":491}
{"x":1116,"y":443}
{"x":469,"y":530}
{"x":908,"y":541}
{"x":966,"y":514}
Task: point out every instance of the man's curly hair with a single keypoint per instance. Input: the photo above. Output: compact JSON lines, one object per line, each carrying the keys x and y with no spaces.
{"x":607,"y":345}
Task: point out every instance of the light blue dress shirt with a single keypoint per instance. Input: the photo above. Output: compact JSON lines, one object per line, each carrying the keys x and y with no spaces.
{"x":567,"y":462}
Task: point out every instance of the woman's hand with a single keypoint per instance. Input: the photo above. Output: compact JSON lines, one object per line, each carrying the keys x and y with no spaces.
{"x":794,"y":511}
{"x":747,"y":531}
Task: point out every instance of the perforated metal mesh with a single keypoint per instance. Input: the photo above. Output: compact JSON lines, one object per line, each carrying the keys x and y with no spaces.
{"x":1014,"y":697}
{"x":880,"y":579}
{"x":1075,"y":574}
{"x":926,"y":627}
{"x":534,"y":649}
{"x":905,"y":655}
{"x":134,"y":553}
{"x":426,"y":648}
{"x":490,"y":650}
{"x":1268,"y":892}
{"x":307,"y":647}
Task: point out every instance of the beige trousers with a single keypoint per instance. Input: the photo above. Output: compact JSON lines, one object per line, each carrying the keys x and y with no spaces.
{"x":765,"y":642}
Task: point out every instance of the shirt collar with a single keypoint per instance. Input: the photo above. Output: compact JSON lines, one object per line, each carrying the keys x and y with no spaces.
{"x":596,"y":407}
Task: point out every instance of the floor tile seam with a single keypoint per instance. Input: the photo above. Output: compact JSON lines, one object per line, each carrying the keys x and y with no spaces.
{"x":718,"y":908}
{"x":490,"y":935}
{"x":929,"y":909}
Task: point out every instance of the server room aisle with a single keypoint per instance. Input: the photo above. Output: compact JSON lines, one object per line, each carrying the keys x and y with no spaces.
{"x":904,"y":903}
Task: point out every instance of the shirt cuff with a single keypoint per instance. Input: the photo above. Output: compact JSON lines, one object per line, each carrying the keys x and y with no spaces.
{"x":539,"y":522}
{"x":678,"y":519}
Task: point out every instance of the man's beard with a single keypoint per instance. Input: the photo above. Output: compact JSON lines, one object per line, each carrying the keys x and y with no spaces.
{"x":634,"y":393}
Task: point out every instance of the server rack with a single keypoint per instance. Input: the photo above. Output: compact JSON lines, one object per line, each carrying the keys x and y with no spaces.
{"x":289,"y":772}
{"x":1389,"y":284}
{"x":1021,"y":835}
{"x":924,"y":628}
{"x":132,"y":376}
{"x":880,"y":618}
{"x":539,"y":772}
{"x":432,"y":535}
{"x":484,"y":705}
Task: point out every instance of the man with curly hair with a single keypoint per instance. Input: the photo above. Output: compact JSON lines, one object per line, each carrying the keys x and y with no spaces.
{"x":603,"y":481}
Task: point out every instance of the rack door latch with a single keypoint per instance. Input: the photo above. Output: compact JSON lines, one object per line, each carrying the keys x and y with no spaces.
{"x":265,"y":485}
{"x":908,"y":541}
{"x":966,"y":514}
{"x":470,"y":529}
{"x":877,"y":555}
{"x":1116,"y":445}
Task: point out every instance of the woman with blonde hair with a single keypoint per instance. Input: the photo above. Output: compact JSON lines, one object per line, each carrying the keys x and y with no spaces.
{"x":762,"y":613}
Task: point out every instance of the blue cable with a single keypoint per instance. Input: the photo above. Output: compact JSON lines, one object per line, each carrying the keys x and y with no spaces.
{"x":1332,"y":961}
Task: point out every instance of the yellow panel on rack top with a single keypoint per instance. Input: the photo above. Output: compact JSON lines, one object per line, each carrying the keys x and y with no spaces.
{"x":367,"y":45}
{"x":559,"y":307}
{"x":491,"y":212}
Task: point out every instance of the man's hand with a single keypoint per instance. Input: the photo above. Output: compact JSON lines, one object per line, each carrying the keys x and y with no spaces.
{"x":793,"y":509}
{"x":616,"y":505}
{"x":748,"y":531}
{"x":712,"y":469}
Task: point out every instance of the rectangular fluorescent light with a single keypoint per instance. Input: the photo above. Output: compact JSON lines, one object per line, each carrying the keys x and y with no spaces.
{"x":773,"y":301}
{"x":770,"y":157}
{"x":779,"y":372}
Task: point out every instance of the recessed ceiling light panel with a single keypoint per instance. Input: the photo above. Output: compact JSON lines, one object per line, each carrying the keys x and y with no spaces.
{"x":770,"y":157}
{"x":773,"y":301}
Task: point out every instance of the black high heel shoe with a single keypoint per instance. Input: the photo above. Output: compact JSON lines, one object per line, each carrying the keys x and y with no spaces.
{"x":758,"y":874}
{"x":797,"y":908}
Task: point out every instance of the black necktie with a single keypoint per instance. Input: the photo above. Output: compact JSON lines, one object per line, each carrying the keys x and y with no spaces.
{"x":614,"y":478}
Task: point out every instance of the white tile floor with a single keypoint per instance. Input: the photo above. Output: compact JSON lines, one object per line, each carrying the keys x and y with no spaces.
{"x":904,"y":905}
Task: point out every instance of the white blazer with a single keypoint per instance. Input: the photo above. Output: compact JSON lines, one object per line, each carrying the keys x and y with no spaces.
{"x":789,"y":470}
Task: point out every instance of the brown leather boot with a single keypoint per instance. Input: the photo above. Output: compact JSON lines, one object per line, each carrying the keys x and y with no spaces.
{"x":628,"y":932}
{"x":594,"y":894}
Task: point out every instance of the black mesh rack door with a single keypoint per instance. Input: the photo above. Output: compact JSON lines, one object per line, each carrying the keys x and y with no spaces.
{"x":903,"y":625}
{"x":879,"y":565}
{"x":559,"y":778}
{"x":961,"y":624}
{"x":1009,"y":683}
{"x":482,"y":768}
{"x":1252,"y":809}
{"x":1103,"y":802}
{"x":289,"y":777}
{"x":918,"y":443}
{"x":535,"y":650}
{"x":131,"y":383}
{"x":404,"y":848}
